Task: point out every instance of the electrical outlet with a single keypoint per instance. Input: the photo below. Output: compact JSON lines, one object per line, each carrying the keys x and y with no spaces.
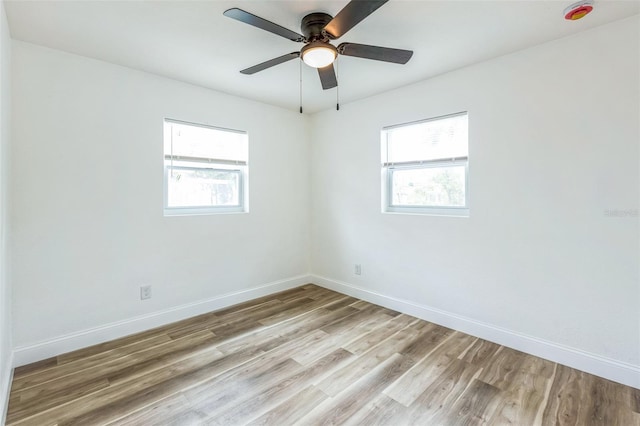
{"x":145,"y":292}
{"x":358,"y":269}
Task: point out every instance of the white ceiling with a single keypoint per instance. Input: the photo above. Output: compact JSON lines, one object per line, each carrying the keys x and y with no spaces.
{"x":193,"y":42}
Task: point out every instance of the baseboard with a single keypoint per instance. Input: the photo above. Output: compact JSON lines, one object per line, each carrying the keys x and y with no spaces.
{"x":5,"y":389}
{"x":92,"y":336}
{"x":607,"y":368}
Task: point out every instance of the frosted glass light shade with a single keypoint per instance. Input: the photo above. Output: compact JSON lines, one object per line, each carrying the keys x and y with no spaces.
{"x":319,"y":54}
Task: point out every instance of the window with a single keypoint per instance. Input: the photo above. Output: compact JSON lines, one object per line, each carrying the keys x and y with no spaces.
{"x":425,"y":166}
{"x":205,"y":169}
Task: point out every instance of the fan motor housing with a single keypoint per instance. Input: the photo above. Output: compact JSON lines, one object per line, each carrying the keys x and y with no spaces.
{"x":313,"y":24}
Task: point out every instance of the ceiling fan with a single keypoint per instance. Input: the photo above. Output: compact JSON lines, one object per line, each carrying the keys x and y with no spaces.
{"x":318,"y":29}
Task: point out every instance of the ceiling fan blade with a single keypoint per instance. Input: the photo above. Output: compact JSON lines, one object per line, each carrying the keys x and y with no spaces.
{"x":386,"y":54}
{"x":270,"y":63}
{"x":354,"y":12}
{"x":328,"y":77}
{"x":256,"y":21}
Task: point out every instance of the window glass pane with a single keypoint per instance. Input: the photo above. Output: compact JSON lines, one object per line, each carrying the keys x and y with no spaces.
{"x":443,"y":138}
{"x":430,"y":186}
{"x":195,"y":141}
{"x":199,"y":187}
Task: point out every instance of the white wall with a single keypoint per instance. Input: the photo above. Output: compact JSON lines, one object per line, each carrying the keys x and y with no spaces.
{"x":87,"y":214}
{"x":5,"y":288}
{"x":554,"y":135}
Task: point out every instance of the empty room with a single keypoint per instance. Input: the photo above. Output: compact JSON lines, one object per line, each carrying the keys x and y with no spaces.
{"x":385,"y":212}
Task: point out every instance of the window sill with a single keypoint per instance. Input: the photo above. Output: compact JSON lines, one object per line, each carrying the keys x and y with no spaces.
{"x":203,"y":211}
{"x":428,"y":211}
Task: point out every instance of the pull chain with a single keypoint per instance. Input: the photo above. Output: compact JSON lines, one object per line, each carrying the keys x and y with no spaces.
{"x":338,"y":86}
{"x":301,"y":86}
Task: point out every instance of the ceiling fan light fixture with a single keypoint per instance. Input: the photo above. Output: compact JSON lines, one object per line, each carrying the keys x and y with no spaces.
{"x":319,"y":54}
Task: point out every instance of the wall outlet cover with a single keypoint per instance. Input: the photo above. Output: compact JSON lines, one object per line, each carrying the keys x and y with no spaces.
{"x":145,"y":292}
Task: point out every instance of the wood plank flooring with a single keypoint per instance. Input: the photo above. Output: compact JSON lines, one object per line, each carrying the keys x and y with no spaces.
{"x":310,"y":356}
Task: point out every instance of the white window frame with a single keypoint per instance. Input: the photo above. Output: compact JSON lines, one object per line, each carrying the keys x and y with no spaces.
{"x":239,"y":167}
{"x":389,"y":168}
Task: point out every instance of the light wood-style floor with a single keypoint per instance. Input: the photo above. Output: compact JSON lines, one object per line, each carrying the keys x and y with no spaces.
{"x":310,"y":356}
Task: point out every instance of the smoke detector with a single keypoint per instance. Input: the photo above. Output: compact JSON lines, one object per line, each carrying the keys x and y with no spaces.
{"x":578,"y":10}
